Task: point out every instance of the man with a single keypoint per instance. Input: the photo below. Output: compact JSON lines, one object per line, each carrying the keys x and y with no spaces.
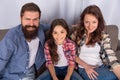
{"x":21,"y":50}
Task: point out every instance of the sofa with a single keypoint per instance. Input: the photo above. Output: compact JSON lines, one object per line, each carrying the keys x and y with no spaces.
{"x":112,"y":30}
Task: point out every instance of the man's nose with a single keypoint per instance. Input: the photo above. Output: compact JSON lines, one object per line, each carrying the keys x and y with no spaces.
{"x":31,"y":22}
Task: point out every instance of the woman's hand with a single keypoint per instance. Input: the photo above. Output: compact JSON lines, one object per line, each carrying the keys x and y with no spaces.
{"x":116,"y":70}
{"x":92,"y":74}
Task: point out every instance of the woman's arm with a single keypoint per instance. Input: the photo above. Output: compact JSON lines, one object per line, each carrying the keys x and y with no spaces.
{"x":92,"y":74}
{"x":114,"y":63}
{"x":116,"y":70}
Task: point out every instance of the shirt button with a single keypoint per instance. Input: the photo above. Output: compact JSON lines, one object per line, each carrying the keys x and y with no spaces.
{"x":27,"y":67}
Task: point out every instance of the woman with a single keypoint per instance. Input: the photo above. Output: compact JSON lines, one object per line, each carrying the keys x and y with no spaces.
{"x":96,"y":60}
{"x":60,"y":52}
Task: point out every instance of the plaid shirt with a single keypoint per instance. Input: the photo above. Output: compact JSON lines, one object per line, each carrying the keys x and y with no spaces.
{"x":69,"y":50}
{"x":106,"y":53}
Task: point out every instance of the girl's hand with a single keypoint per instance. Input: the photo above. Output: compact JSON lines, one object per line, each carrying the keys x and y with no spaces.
{"x":55,"y":78}
{"x":92,"y":74}
{"x":67,"y":78}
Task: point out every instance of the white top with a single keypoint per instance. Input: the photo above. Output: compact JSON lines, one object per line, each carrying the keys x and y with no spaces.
{"x":33,"y":47}
{"x":90,"y":55}
{"x":62,"y":59}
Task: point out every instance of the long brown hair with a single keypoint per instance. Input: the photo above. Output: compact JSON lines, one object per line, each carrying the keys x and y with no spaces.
{"x":96,"y":36}
{"x":51,"y":43}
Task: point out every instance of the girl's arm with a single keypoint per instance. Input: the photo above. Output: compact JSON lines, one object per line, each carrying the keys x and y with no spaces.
{"x":52,"y":71}
{"x":69,"y":72}
{"x":49,"y":63}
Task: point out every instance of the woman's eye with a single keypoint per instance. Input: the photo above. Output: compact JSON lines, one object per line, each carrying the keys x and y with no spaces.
{"x":62,"y":32}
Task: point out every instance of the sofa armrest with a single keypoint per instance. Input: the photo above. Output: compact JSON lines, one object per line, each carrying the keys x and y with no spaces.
{"x":118,"y":50}
{"x":118,"y":46}
{"x":2,"y":33}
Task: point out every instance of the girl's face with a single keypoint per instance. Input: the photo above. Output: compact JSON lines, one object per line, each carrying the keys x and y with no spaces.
{"x":90,"y":23}
{"x":59,"y":34}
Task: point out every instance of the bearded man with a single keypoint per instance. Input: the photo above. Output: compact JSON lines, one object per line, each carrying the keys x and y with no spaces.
{"x":21,"y":50}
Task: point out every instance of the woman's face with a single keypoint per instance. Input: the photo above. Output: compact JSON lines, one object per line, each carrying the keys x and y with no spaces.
{"x":90,"y":23}
{"x":59,"y":34}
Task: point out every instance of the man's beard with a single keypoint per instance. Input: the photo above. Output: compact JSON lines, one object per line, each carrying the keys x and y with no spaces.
{"x":30,"y":34}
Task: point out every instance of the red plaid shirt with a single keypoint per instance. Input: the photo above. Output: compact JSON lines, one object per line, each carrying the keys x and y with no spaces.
{"x":69,"y":50}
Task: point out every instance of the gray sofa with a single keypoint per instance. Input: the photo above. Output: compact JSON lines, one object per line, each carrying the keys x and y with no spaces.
{"x":115,"y":42}
{"x":111,"y":29}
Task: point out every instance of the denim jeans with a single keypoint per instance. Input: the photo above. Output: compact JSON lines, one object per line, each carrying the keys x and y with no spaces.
{"x":60,"y":72}
{"x":45,"y":76}
{"x":103,"y":73}
{"x":30,"y":74}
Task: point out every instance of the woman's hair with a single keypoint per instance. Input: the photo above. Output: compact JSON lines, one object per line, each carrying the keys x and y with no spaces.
{"x":96,"y":36}
{"x":51,"y":43}
{"x":30,"y":7}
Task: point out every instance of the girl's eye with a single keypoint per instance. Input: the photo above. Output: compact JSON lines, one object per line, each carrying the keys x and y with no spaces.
{"x":54,"y":32}
{"x":86,"y":21}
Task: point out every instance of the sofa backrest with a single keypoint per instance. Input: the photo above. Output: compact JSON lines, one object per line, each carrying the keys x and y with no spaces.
{"x":112,"y":30}
{"x":2,"y":33}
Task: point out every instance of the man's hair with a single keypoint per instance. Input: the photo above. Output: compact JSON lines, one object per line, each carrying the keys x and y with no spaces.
{"x":30,"y":7}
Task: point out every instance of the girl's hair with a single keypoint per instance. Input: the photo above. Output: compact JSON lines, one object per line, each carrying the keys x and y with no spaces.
{"x":96,"y":36}
{"x":51,"y":43}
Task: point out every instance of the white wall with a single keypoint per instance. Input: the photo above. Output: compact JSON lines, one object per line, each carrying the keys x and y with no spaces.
{"x":51,"y":9}
{"x":68,"y":9}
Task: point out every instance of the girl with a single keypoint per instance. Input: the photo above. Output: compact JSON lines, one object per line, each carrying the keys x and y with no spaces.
{"x":60,"y":52}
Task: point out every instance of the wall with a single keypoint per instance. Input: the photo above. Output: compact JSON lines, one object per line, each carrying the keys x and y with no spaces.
{"x":51,"y":9}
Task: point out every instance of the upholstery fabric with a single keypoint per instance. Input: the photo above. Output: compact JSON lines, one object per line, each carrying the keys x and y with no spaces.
{"x":112,"y":30}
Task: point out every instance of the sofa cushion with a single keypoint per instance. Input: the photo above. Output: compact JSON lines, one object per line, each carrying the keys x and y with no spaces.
{"x":2,"y":33}
{"x":112,"y":30}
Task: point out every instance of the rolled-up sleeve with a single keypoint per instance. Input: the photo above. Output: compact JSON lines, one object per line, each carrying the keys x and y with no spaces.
{"x":70,"y":51}
{"x":109,"y":51}
{"x":47,"y":55}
